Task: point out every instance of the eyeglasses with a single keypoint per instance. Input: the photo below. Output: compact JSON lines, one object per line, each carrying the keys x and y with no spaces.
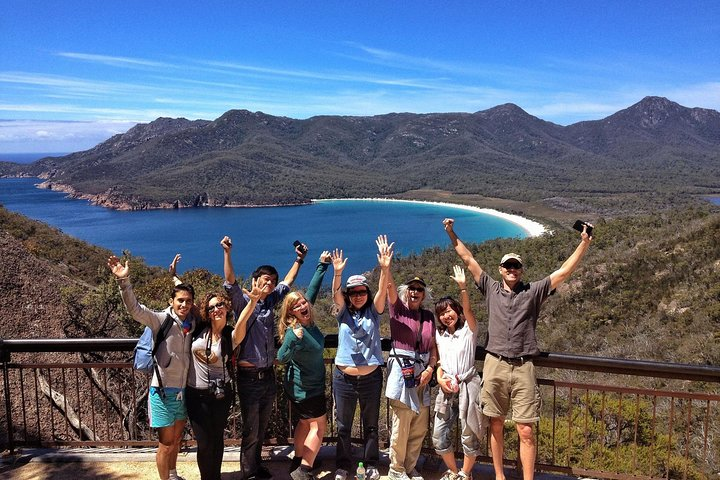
{"x":357,"y":293}
{"x":416,"y":289}
{"x":512,"y":265}
{"x":212,"y":308}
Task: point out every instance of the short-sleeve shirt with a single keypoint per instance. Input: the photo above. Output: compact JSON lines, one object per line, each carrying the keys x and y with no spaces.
{"x":513,"y":315}
{"x":457,"y":350}
{"x":359,"y":341}
{"x":404,"y":325}
{"x":204,"y":368}
{"x":258,"y":346}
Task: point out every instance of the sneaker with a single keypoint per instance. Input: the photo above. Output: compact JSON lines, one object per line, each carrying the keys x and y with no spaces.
{"x":393,"y":475}
{"x":175,"y":477}
{"x":341,"y":474}
{"x":372,"y":473}
{"x":464,"y":476}
{"x":414,"y":475}
{"x":300,"y":474}
{"x":450,"y":475}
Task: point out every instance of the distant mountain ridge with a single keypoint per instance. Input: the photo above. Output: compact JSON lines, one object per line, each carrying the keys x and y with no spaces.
{"x":246,"y":158}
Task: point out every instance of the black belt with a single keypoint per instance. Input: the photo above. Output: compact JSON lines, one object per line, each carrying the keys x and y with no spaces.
{"x":512,"y":360}
{"x":254,"y":372}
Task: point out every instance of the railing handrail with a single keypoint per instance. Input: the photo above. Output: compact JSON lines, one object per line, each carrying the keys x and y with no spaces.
{"x":681,"y":371}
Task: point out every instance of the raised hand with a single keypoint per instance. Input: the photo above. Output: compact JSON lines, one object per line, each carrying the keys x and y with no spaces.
{"x":226,"y":243}
{"x":117,"y":268}
{"x":325,"y":257}
{"x":301,"y":250}
{"x":173,"y":265}
{"x":459,"y":276}
{"x":256,"y":290}
{"x":584,"y":235}
{"x":338,"y":261}
{"x":448,"y":224}
{"x":385,"y":251}
{"x":298,"y":330}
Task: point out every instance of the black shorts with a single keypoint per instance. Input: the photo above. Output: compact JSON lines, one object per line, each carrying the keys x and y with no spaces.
{"x":309,"y":408}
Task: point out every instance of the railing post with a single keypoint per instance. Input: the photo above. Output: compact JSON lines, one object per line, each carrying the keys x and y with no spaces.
{"x":5,"y":359}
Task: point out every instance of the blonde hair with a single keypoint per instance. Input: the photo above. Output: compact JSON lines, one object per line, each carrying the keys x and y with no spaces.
{"x":286,"y":319}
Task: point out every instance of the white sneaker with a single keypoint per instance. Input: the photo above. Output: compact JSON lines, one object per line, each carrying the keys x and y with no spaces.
{"x":372,"y":473}
{"x":341,"y":474}
{"x":450,"y":475}
{"x":393,"y":475}
{"x":415,"y":475}
{"x":464,"y":476}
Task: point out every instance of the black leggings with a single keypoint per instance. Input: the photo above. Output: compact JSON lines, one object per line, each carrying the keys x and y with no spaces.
{"x":208,"y":417}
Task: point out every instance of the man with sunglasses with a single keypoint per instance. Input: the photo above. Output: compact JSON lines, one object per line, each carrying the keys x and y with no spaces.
{"x":508,"y":371}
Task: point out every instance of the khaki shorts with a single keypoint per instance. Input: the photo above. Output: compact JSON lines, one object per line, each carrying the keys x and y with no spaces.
{"x":506,"y":384}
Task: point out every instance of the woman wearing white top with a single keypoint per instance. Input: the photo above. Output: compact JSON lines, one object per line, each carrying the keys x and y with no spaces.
{"x":460,"y":385}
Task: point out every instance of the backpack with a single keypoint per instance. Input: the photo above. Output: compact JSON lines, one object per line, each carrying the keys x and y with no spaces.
{"x":147,"y":346}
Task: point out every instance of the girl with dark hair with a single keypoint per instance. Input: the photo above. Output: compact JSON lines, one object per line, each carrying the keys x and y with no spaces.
{"x":460,"y":385}
{"x":209,"y":391}
{"x":357,"y":376}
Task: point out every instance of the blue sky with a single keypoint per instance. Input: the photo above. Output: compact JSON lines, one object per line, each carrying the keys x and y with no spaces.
{"x":74,"y":73}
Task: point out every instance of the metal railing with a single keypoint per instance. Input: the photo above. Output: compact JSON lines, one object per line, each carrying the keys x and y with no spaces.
{"x":610,"y":430}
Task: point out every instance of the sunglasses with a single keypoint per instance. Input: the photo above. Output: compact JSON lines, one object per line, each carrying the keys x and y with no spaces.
{"x":357,"y":293}
{"x":416,"y":289}
{"x":212,"y":308}
{"x":512,"y":265}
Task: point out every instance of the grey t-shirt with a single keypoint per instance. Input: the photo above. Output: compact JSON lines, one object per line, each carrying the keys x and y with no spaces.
{"x":512,"y":316}
{"x":202,"y":370}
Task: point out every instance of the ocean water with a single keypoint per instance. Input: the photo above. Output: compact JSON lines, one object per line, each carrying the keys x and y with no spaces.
{"x":715,"y":200}
{"x":260,"y":235}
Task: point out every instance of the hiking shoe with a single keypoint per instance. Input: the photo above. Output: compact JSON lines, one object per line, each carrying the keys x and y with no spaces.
{"x":300,"y":474}
{"x":450,"y":475}
{"x":341,"y":474}
{"x":415,"y":475}
{"x":393,"y":475}
{"x":372,"y":473}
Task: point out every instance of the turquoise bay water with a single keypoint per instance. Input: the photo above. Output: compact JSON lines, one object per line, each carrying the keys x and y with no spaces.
{"x":260,"y":235}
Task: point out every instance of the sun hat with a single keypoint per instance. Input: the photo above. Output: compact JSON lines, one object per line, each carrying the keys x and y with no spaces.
{"x":357,"y":281}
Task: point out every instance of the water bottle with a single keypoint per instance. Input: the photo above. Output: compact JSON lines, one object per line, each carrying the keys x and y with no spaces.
{"x":360,"y":473}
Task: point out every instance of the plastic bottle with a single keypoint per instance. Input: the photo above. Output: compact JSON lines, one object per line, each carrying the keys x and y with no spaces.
{"x":360,"y":473}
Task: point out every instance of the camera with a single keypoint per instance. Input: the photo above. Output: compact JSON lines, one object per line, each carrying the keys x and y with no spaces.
{"x":217,"y":387}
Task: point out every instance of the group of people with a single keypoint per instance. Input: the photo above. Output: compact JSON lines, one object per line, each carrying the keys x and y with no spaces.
{"x":227,"y":344}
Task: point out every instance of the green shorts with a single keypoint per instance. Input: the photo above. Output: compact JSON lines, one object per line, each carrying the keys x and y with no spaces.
{"x":507,"y":385}
{"x":164,"y":412}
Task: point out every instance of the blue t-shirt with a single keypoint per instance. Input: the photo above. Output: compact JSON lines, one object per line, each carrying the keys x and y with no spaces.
{"x":359,"y":338}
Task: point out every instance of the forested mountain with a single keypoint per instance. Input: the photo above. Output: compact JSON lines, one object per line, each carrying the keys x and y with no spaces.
{"x":655,"y":152}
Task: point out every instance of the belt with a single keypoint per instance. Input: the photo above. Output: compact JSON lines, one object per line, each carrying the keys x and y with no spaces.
{"x":512,"y":360}
{"x":254,"y":372}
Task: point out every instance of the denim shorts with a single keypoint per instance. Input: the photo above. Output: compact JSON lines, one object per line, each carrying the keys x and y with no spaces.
{"x":165,"y":412}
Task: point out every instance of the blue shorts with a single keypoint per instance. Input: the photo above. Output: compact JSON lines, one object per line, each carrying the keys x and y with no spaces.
{"x":165,"y":412}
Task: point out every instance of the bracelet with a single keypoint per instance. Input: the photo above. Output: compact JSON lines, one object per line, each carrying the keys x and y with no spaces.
{"x":463,"y":289}
{"x":299,"y":261}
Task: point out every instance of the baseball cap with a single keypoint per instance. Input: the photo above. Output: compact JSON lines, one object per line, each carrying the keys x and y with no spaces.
{"x":357,"y":281}
{"x":511,"y":256}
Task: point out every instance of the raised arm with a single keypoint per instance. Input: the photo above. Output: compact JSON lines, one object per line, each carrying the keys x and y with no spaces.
{"x":459,"y":277}
{"x":462,"y":250}
{"x":228,"y":269}
{"x":301,"y":250}
{"x":384,"y":256}
{"x":392,"y":292}
{"x":314,"y":286}
{"x":173,"y":269}
{"x":569,"y":266}
{"x":238,"y":334}
{"x":140,"y":313}
{"x":338,"y":263}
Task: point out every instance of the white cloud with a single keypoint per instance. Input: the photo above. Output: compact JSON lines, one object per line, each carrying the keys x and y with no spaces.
{"x":30,"y":136}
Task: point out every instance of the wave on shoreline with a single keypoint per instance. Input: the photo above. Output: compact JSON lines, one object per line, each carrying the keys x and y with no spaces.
{"x":533,"y":228}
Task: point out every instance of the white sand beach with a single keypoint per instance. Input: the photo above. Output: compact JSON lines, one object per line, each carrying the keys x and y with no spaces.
{"x":533,"y":228}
